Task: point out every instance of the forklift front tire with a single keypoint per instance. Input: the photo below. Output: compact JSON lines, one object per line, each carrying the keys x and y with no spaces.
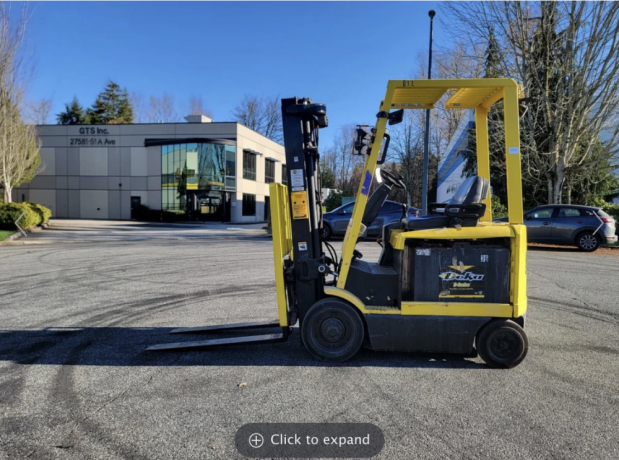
{"x":332,"y":331}
{"x":502,"y":344}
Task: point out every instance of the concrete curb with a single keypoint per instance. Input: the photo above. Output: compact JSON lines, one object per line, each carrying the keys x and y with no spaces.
{"x":17,"y":235}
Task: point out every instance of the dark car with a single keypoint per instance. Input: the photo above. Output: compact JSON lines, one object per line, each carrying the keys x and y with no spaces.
{"x":586,"y":227}
{"x":336,"y":221}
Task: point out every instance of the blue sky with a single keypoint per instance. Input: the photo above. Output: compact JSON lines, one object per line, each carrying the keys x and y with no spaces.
{"x":341,"y":54}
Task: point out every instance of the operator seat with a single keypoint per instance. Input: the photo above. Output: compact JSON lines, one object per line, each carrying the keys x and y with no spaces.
{"x":465,"y":208}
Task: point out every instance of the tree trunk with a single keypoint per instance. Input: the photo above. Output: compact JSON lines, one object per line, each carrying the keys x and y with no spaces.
{"x":550,"y":191}
{"x":7,"y":193}
{"x":558,"y":183}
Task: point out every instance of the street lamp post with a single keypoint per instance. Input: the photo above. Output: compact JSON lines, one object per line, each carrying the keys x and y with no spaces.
{"x":426,"y":141}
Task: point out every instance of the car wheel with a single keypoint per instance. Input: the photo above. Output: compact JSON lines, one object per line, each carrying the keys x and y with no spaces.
{"x":326,"y":232}
{"x":332,"y":330}
{"x":502,"y":344}
{"x":588,"y":242}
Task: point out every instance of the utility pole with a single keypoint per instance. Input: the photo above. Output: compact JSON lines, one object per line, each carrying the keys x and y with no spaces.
{"x":426,"y":141}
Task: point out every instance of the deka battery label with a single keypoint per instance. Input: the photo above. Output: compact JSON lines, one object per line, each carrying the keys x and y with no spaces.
{"x":461,"y":281}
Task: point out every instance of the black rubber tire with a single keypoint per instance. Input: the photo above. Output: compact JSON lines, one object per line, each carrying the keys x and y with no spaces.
{"x":588,"y":242}
{"x":332,"y":330}
{"x":326,"y":232}
{"x":497,"y":334}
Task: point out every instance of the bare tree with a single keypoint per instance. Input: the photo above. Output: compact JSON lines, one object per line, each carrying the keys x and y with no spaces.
{"x":249,"y":113}
{"x":37,"y":112}
{"x":197,"y":107}
{"x":263,"y":115}
{"x":341,"y":162}
{"x":407,"y":145}
{"x":19,"y":146}
{"x":139,"y":106}
{"x":567,"y":56}
{"x":161,"y":110}
{"x":272,"y":118}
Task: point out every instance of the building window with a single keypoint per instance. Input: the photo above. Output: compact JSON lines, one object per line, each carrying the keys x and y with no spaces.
{"x":269,"y":171}
{"x":284,"y":175}
{"x":249,"y":165}
{"x":190,"y":172}
{"x":249,"y":204}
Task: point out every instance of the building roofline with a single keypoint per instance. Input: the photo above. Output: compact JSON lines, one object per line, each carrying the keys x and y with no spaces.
{"x":134,"y":124}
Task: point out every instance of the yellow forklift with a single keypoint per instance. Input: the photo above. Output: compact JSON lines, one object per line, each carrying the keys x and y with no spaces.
{"x":451,"y":281}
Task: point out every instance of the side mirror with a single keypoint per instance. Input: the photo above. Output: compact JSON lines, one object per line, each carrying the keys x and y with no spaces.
{"x":528,"y":217}
{"x":396,"y":117}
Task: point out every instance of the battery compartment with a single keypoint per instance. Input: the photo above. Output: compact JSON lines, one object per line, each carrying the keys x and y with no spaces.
{"x":456,"y":271}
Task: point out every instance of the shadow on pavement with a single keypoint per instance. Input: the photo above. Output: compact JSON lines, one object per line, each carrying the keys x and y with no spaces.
{"x":572,"y":249}
{"x":125,"y":346}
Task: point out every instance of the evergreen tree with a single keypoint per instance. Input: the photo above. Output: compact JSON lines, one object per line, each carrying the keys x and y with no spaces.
{"x":111,"y":107}
{"x":73,"y":114}
{"x":493,"y":57}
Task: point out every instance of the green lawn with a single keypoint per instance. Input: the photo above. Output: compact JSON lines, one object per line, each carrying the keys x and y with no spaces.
{"x":5,"y":233}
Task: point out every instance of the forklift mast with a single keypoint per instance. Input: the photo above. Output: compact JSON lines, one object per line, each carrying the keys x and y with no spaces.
{"x":301,"y":120}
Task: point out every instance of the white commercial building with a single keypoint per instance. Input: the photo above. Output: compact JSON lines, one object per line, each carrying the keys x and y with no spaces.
{"x":210,"y":171}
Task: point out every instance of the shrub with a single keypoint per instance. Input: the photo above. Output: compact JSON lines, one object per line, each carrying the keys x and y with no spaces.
{"x":43,"y":212}
{"x":612,"y":209}
{"x":10,"y":212}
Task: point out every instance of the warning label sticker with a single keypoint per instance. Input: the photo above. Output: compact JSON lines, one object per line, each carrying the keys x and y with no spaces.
{"x":299,"y":205}
{"x":296,"y":179}
{"x":464,"y":281}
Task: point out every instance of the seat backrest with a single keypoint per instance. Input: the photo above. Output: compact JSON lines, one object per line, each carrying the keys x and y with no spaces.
{"x":375,"y":203}
{"x":473,"y":190}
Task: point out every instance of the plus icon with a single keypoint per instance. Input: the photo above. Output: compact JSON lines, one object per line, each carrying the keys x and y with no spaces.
{"x":256,"y":440}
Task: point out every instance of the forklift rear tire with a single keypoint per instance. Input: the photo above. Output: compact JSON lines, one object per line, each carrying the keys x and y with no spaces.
{"x":332,"y":331}
{"x":502,"y":344}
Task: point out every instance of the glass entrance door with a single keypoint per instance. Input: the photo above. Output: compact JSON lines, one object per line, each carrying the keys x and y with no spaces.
{"x":210,"y":208}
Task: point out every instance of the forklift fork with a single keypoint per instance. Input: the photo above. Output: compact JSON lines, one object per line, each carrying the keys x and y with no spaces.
{"x":247,"y":339}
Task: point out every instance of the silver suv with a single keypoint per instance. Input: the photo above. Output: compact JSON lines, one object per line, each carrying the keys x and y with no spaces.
{"x":570,"y":225}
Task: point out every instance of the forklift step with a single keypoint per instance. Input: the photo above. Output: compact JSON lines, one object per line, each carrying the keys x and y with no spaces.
{"x":251,"y":339}
{"x":225,"y":327}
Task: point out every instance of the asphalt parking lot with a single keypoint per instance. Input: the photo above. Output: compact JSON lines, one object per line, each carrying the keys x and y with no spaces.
{"x":76,"y":314}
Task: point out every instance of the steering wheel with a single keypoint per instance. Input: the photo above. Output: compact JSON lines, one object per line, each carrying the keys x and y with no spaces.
{"x":392,"y":180}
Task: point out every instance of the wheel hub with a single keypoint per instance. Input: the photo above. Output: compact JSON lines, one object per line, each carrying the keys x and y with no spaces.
{"x":332,"y":330}
{"x":588,"y":242}
{"x":504,"y":345}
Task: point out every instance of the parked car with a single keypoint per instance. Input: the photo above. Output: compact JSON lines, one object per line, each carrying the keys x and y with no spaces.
{"x":336,"y":221}
{"x":569,"y":225}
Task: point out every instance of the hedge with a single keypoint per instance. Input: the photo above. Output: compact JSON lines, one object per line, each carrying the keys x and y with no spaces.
{"x":36,"y":214}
